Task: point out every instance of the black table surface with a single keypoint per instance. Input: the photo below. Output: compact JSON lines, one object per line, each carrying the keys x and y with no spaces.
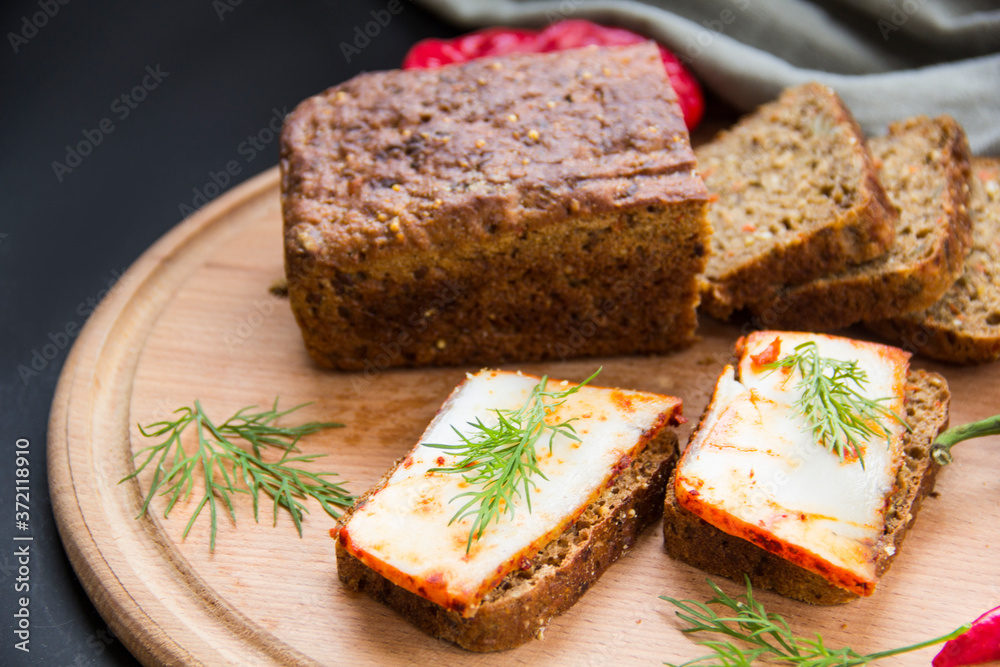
{"x":117,"y":120}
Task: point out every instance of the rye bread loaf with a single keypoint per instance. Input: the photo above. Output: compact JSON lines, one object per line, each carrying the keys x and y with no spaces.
{"x":795,"y":196}
{"x":523,"y":603}
{"x":694,"y":541}
{"x":964,"y":325}
{"x":522,"y":207}
{"x":924,"y":166}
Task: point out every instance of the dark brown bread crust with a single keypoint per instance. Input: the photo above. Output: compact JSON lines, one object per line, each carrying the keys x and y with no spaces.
{"x":525,"y":207}
{"x":914,"y":274}
{"x":690,"y":539}
{"x":523,"y":603}
{"x":964,"y":326}
{"x":856,"y":226}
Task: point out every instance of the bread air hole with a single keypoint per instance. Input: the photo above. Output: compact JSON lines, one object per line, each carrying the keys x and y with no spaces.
{"x":993,"y":319}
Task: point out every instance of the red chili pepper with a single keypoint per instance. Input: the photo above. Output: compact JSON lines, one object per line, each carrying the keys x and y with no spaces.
{"x":432,"y":53}
{"x":569,"y":34}
{"x":574,"y":33}
{"x":979,"y":645}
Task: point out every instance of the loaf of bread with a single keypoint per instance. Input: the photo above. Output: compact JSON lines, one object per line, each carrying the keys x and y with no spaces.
{"x":924,"y":166}
{"x":964,"y":325}
{"x":523,"y":207}
{"x":795,"y":197}
{"x":695,"y":541}
{"x":398,"y":545}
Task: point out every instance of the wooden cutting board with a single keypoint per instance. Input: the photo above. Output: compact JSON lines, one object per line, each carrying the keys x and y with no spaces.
{"x":194,"y":319}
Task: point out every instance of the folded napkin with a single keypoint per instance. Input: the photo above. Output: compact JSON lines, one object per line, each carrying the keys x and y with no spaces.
{"x":888,"y":59}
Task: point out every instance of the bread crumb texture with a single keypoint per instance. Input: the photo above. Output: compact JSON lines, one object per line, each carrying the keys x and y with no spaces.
{"x":964,"y":325}
{"x":925,"y":170}
{"x":794,"y":196}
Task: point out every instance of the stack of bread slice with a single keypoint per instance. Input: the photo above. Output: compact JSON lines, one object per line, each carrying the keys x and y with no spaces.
{"x":963,"y":326}
{"x":795,"y":196}
{"x":817,"y":228}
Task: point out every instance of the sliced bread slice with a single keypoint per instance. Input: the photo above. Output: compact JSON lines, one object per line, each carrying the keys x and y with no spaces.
{"x":692,"y":540}
{"x":925,"y":169}
{"x":591,"y":495}
{"x":964,"y":326}
{"x":526,"y":599}
{"x":796,"y":197}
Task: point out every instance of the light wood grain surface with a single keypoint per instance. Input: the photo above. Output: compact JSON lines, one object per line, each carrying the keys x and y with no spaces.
{"x":193,"y":319}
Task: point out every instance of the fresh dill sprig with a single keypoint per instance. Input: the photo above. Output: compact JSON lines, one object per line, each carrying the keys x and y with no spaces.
{"x":228,"y":468}
{"x":767,"y":636}
{"x":501,"y":460}
{"x":839,"y":415}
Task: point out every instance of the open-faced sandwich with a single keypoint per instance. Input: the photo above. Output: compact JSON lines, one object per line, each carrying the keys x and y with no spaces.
{"x":519,"y":495}
{"x":808,"y":465}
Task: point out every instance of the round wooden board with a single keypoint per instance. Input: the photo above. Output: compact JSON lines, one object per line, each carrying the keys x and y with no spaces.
{"x":194,"y":319}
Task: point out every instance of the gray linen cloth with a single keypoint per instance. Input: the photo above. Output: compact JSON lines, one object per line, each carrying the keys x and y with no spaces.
{"x":888,"y":59}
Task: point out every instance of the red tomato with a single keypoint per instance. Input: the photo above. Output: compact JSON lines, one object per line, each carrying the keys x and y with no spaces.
{"x":569,"y":34}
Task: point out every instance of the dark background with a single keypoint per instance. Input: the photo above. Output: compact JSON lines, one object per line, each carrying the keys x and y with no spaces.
{"x":224,"y":70}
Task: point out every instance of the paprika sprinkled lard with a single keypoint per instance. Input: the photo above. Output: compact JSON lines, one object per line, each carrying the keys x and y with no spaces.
{"x":569,"y":34}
